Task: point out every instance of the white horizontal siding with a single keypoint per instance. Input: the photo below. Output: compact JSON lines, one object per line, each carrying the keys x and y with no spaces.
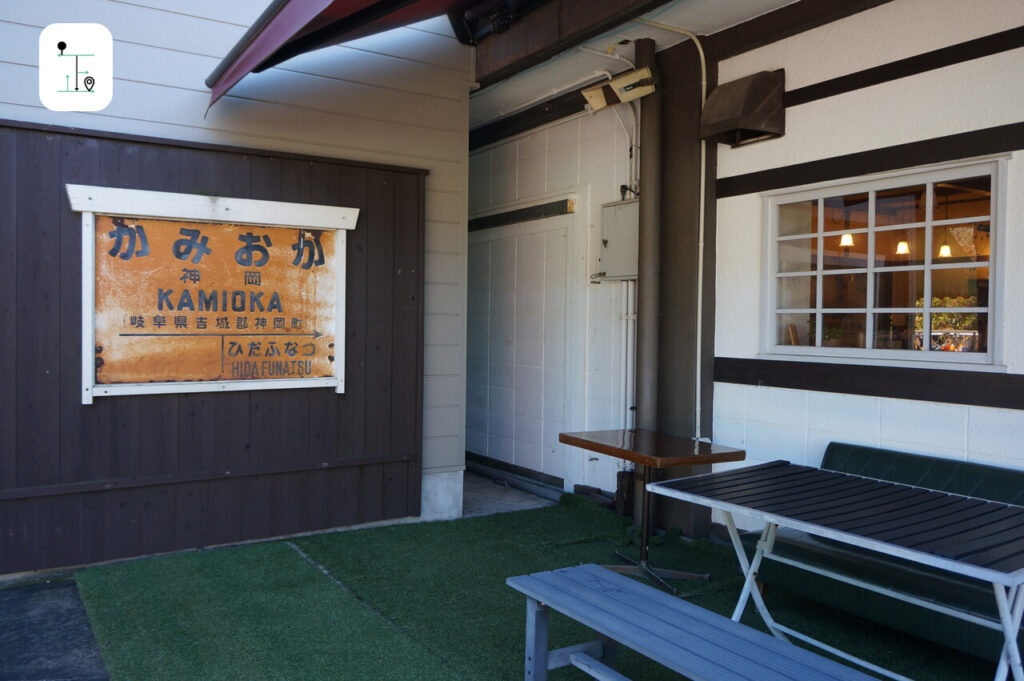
{"x":400,"y":98}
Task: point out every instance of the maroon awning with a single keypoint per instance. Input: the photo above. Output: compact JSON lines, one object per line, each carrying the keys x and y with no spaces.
{"x":291,"y":27}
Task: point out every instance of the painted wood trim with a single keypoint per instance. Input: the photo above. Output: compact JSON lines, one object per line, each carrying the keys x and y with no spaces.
{"x":562,"y":106}
{"x":511,"y":217}
{"x":170,"y":205}
{"x":203,"y":146}
{"x":973,"y":388}
{"x":977,"y":143}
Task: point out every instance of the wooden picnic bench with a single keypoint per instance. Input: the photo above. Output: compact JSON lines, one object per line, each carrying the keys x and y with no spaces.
{"x":686,"y":638}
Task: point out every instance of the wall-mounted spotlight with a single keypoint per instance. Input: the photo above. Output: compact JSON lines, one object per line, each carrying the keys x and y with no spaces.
{"x":624,"y":88}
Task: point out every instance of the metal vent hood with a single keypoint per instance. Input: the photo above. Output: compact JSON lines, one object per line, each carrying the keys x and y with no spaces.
{"x":746,"y":110}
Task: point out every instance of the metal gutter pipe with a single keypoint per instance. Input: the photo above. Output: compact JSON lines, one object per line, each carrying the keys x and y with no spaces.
{"x":649,"y":247}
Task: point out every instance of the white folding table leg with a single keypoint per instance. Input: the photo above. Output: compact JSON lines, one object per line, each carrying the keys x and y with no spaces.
{"x":1011,"y":608}
{"x":764,"y":545}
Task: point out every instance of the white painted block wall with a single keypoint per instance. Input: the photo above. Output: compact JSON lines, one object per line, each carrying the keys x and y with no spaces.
{"x":584,"y":156}
{"x":399,"y":98}
{"x":773,"y":423}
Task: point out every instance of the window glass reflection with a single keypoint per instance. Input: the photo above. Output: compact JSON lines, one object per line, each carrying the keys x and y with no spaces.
{"x":903,"y":288}
{"x":959,"y":331}
{"x":846,"y":212}
{"x":961,"y":243}
{"x":966,"y":198}
{"x":844,"y":330}
{"x":798,"y":255}
{"x":899,"y":331}
{"x":899,"y":247}
{"x":960,"y":287}
{"x":844,"y":290}
{"x":795,"y":329}
{"x":797,"y":292}
{"x":900,"y":206}
{"x":798,"y":218}
{"x":846,"y":251}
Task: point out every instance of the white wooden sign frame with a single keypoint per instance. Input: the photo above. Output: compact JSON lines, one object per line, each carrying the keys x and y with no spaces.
{"x":91,"y":201}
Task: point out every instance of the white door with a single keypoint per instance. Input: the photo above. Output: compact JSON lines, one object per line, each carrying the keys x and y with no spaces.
{"x":516,"y":346}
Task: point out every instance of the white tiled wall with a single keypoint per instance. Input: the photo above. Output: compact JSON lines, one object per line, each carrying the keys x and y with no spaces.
{"x":797,"y":425}
{"x":517,"y":346}
{"x":585,"y":156}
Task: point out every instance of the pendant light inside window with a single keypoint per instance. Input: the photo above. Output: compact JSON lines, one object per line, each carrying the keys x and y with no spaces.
{"x":903,"y":248}
{"x":944,"y":250}
{"x":846,"y":240}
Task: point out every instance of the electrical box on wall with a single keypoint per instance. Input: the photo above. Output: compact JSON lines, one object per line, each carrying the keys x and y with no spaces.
{"x":617,"y":259}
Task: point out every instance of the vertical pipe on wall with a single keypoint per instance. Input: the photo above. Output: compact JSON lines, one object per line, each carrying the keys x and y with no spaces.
{"x":630,"y":353}
{"x":649,"y":274}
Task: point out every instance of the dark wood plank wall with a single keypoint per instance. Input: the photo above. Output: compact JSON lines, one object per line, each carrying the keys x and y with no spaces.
{"x":135,"y":475}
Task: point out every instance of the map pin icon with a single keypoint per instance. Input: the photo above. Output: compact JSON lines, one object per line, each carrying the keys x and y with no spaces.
{"x":89,"y":82}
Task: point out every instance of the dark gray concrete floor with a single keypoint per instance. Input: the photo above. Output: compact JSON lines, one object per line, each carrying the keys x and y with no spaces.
{"x":45,"y":635}
{"x":483,"y":496}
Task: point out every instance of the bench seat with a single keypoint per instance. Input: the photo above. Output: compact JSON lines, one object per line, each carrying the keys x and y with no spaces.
{"x":686,"y":638}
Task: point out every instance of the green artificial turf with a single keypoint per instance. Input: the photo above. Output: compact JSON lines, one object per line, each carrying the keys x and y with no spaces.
{"x":423,"y":601}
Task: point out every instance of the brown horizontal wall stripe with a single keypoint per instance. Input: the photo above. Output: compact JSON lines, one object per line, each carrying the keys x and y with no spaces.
{"x":937,"y":150}
{"x":787,"y":21}
{"x":975,"y":388}
{"x":511,"y":217}
{"x":198,"y":476}
{"x":954,"y":54}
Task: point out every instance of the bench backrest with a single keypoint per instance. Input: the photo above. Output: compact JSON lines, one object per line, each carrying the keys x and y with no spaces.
{"x":949,"y":475}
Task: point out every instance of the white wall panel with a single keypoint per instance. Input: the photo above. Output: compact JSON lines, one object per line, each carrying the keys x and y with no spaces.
{"x":517,"y":398}
{"x":883,"y":34}
{"x":587,"y":151}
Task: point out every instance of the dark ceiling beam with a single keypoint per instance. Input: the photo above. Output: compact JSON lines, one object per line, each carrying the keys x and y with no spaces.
{"x":550,"y":110}
{"x":548,"y":30}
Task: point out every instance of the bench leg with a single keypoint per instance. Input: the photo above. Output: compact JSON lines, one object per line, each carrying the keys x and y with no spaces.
{"x":609,"y":650}
{"x":536,"y":641}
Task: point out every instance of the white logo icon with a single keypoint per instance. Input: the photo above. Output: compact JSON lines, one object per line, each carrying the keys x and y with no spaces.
{"x":76,"y":67}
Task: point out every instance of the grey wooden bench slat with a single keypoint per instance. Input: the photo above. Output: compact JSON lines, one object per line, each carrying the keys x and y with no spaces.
{"x":684,"y":637}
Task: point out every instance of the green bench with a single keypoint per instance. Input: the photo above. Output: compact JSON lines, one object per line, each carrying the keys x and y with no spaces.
{"x":687,"y":639}
{"x":926,"y":585}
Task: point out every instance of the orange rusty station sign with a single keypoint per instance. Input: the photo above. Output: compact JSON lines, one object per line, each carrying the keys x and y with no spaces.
{"x":202,"y":301}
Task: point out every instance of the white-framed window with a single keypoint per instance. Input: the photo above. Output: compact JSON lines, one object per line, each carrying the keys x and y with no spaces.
{"x":189,"y":293}
{"x":899,"y":267}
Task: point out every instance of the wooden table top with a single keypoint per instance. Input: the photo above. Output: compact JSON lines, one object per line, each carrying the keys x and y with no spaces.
{"x":651,"y":448}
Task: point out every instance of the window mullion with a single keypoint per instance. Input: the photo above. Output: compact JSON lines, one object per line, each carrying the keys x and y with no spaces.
{"x":929,"y":237}
{"x":869,"y":322}
{"x":819,"y":283}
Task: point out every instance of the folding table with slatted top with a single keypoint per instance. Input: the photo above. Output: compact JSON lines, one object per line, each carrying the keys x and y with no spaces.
{"x":976,"y":538}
